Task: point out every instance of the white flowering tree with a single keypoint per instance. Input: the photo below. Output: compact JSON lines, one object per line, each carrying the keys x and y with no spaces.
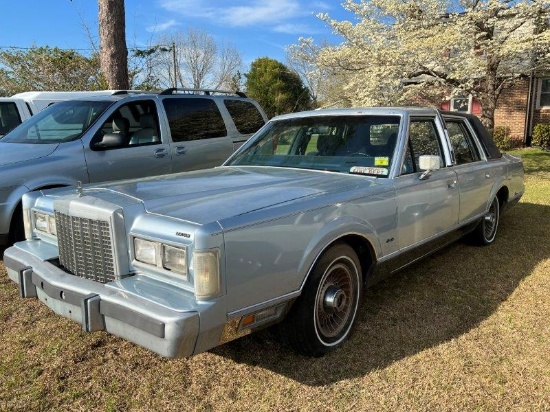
{"x":396,"y":49}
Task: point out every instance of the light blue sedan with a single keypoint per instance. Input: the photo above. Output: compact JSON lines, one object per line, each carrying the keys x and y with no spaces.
{"x":312,"y":209}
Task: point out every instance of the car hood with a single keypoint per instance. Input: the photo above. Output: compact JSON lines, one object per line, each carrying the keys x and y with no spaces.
{"x":11,"y":153}
{"x":217,"y":194}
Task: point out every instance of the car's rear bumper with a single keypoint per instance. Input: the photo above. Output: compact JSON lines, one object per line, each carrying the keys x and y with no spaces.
{"x":116,"y":308}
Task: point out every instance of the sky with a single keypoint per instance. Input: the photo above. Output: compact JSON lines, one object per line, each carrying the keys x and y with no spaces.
{"x":257,"y":28}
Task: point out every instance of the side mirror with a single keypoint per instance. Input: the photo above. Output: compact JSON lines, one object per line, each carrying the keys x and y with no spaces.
{"x":110,"y":141}
{"x":428,"y":163}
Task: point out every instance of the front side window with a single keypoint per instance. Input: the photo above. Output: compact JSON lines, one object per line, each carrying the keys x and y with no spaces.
{"x":345,"y":144}
{"x":194,"y":118}
{"x":245,"y":115}
{"x":423,"y":140}
{"x":61,"y":122}
{"x":136,"y":122}
{"x":461,"y":141}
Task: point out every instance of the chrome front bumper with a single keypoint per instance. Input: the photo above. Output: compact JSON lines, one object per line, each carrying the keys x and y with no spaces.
{"x":146,"y":312}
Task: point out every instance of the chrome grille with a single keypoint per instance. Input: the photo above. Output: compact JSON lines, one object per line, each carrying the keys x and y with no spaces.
{"x":85,"y":247}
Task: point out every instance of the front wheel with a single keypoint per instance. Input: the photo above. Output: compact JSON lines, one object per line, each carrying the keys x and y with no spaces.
{"x":17,"y":228}
{"x":486,"y":232}
{"x":323,"y":316}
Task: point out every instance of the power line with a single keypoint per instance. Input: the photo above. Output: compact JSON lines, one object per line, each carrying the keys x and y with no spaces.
{"x":37,"y":47}
{"x":67,"y":49}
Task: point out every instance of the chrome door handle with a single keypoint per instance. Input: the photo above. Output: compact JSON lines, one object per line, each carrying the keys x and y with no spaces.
{"x":451,"y":184}
{"x":181,"y":150}
{"x":487,"y":176}
{"x":161,"y":153}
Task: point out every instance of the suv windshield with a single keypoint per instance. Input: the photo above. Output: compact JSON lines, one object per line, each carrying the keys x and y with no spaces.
{"x":61,"y":122}
{"x":346,"y":144}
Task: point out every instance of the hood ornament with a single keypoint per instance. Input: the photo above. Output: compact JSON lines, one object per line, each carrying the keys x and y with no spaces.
{"x":79,"y":188}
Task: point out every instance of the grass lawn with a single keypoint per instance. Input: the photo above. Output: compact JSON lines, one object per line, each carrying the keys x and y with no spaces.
{"x":466,"y":329}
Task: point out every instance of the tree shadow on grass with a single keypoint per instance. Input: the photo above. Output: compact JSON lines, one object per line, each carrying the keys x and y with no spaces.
{"x":432,"y":302}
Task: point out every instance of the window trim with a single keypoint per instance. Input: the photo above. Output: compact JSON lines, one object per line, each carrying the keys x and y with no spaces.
{"x":539,"y":104}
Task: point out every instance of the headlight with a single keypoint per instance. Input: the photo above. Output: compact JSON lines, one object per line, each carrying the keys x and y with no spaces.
{"x":174,"y":259}
{"x":160,"y":255}
{"x":146,"y":251}
{"x":207,"y":274}
{"x":41,"y":221}
{"x":44,"y":222}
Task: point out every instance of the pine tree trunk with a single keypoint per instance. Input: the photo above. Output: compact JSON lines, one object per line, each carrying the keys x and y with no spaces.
{"x":112,"y":38}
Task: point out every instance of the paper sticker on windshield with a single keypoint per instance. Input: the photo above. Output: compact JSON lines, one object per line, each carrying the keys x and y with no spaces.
{"x":362,"y":170}
{"x":381,"y":161}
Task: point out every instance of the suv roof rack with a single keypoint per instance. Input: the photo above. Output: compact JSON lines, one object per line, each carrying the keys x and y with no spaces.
{"x":119,"y":92}
{"x":207,"y":92}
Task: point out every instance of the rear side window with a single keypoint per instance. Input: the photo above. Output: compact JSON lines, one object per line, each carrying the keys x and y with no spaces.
{"x":246,"y":116}
{"x":9,"y":117}
{"x":194,"y":119}
{"x":463,"y":147}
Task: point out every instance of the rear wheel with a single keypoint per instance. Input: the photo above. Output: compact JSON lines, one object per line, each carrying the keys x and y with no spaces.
{"x":323,"y":316}
{"x":486,"y":232}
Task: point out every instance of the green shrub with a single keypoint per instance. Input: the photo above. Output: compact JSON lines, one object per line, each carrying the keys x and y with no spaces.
{"x":502,"y":138}
{"x":541,"y":135}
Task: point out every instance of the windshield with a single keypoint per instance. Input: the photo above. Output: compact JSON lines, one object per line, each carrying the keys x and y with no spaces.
{"x":60,"y":122}
{"x":346,"y":144}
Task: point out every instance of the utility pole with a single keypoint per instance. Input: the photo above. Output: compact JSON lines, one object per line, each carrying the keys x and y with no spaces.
{"x":175,"y":69}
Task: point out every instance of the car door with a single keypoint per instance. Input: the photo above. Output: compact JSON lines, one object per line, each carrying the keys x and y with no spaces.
{"x":199,"y":137}
{"x":143,"y":152}
{"x":427,"y":206}
{"x":475,"y":174}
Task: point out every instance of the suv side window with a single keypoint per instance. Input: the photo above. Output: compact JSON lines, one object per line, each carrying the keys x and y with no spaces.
{"x":423,"y":140}
{"x":9,"y":117}
{"x":245,"y":115}
{"x":463,"y":146}
{"x":136,"y":121}
{"x":194,"y":119}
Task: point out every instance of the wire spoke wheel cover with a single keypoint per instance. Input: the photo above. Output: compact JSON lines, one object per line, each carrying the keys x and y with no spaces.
{"x":323,"y":316}
{"x":334,"y":300}
{"x":490,"y":221}
{"x":485,"y":232}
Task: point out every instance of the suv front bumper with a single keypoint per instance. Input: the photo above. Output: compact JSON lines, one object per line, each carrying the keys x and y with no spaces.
{"x":136,"y":308}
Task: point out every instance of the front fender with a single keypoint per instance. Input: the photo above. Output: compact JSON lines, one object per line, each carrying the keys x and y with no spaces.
{"x":9,"y":199}
{"x":331,"y":233}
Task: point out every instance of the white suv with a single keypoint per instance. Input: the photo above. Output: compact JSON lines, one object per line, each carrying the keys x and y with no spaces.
{"x":120,"y":136}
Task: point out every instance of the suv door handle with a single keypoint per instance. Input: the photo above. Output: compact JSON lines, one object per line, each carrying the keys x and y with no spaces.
{"x":181,"y":150}
{"x":161,"y":153}
{"x":451,"y":184}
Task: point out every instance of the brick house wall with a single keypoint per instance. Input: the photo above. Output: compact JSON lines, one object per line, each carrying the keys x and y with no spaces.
{"x":541,"y":116}
{"x":512,"y":108}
